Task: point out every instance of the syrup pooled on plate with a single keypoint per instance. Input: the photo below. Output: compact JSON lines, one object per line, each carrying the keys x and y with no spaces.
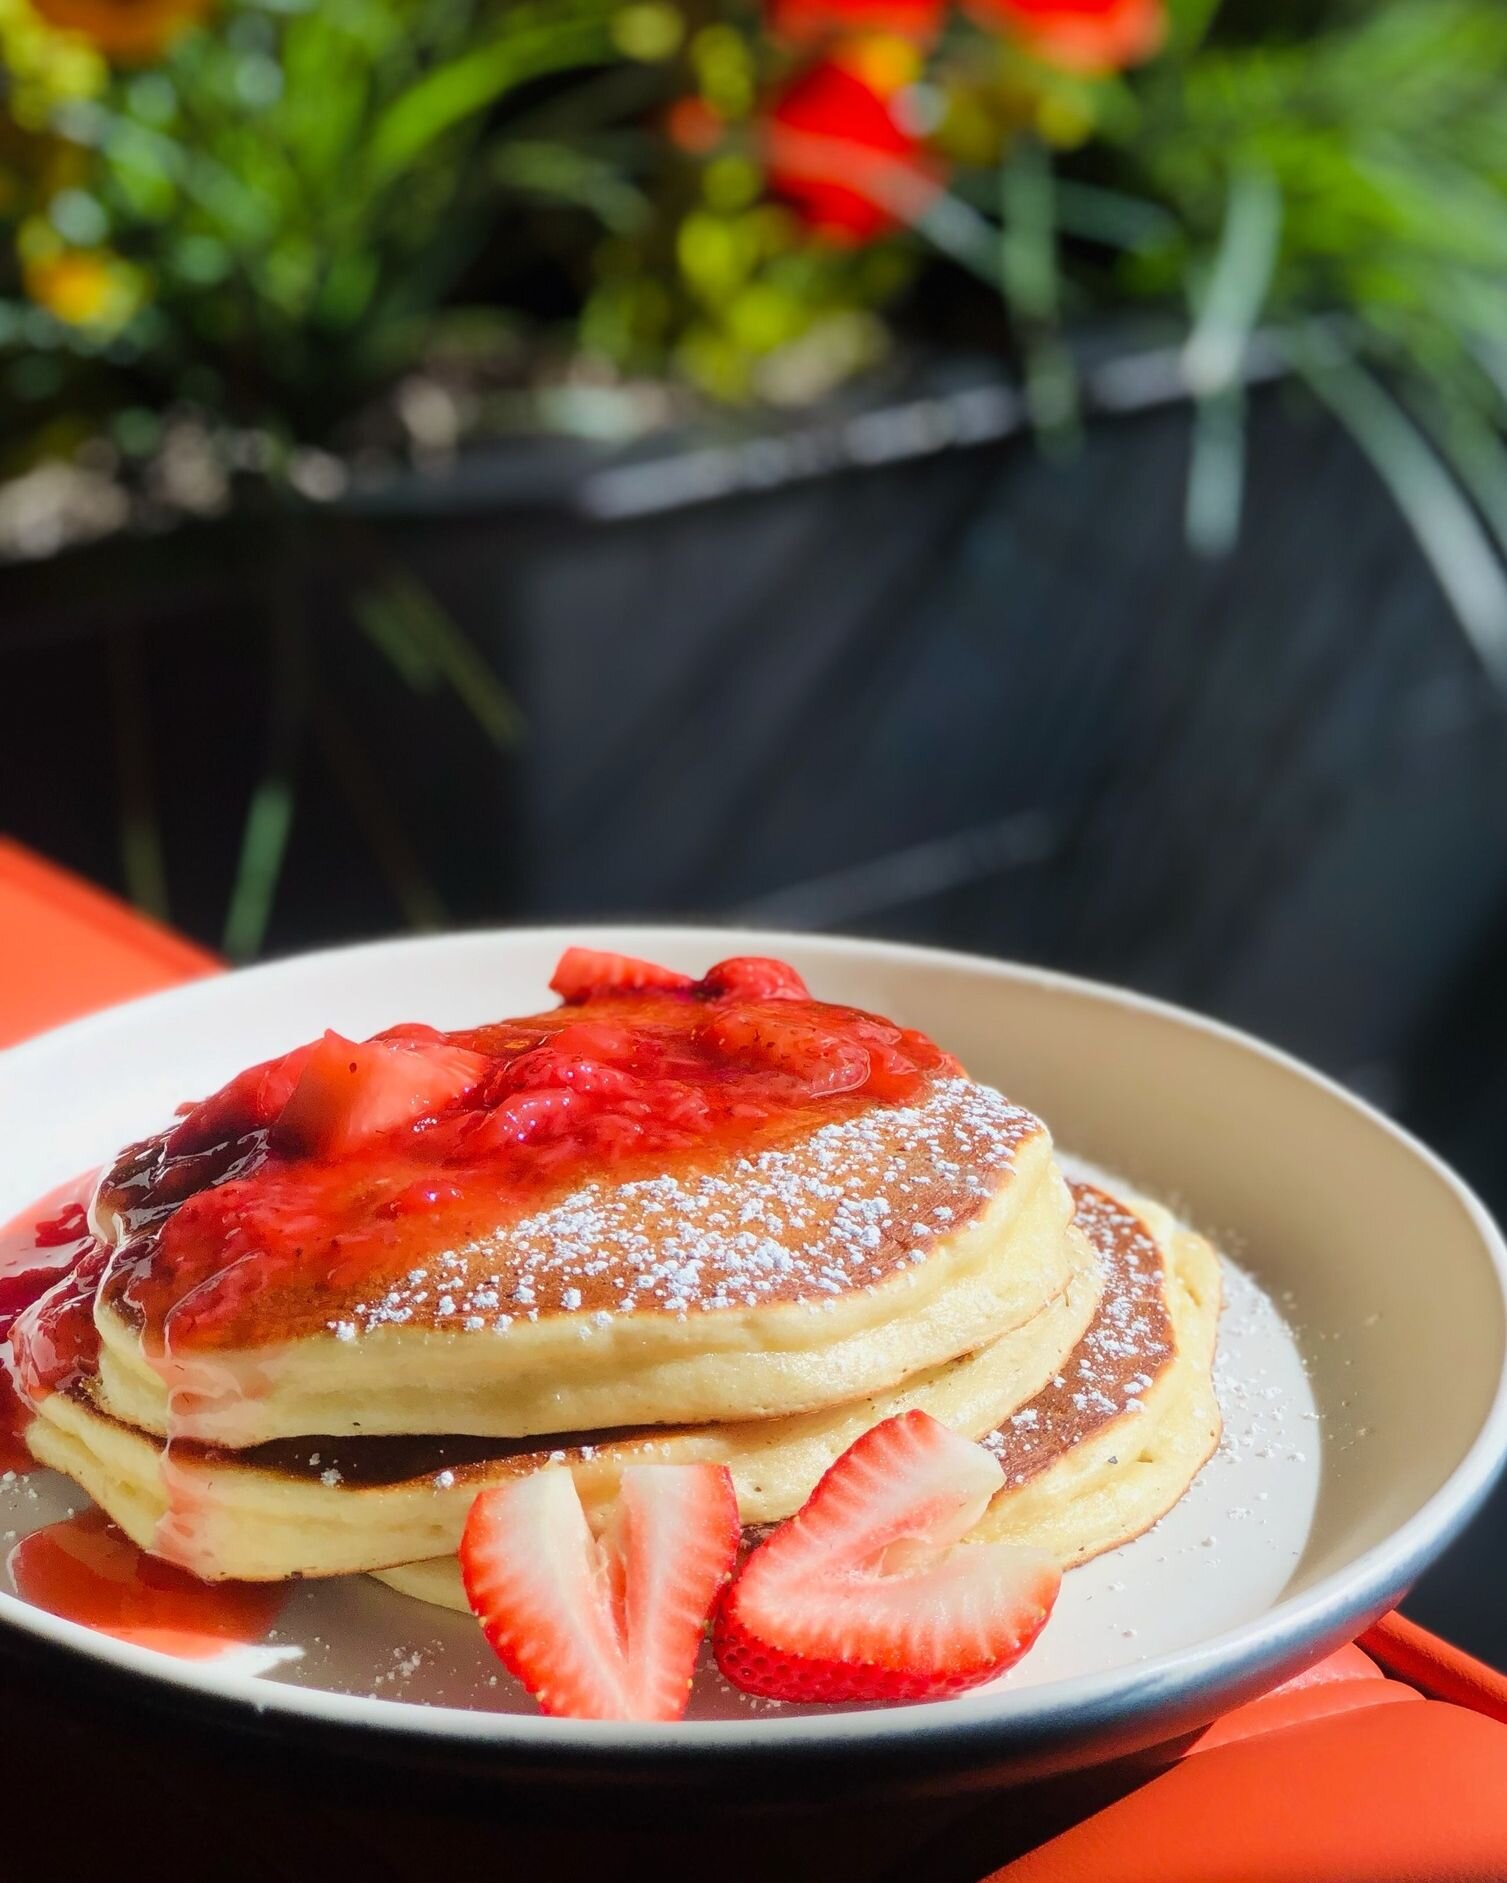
{"x":342,"y":1164}
{"x":86,"y":1570}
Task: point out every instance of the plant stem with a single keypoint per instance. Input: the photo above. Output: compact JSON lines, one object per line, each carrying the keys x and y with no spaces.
{"x":1030,"y":281}
{"x":1446,"y":528}
{"x":269,"y":816}
{"x":141,"y":850}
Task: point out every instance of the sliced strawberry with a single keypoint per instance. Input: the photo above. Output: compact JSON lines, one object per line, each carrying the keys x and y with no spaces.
{"x":868,"y":1592}
{"x":754,"y":977}
{"x":604,"y":1627}
{"x":349,"y":1093}
{"x":766,"y":1034}
{"x":583,"y":972}
{"x":594,"y":1078}
{"x":250,"y":1102}
{"x":594,"y":1039}
{"x":522,"y":1118}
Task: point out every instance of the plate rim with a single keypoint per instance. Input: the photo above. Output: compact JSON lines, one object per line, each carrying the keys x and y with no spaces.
{"x":1295,"y":1630}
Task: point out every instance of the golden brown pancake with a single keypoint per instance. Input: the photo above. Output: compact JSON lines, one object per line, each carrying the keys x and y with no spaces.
{"x":329,"y":1506}
{"x":817,"y":1271}
{"x":1117,"y":1435}
{"x":1113,"y":1441}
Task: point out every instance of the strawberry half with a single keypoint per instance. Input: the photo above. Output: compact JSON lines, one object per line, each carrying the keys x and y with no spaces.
{"x":348,"y":1093}
{"x":868,"y":1592}
{"x":602,"y":1627}
{"x":754,"y":977}
{"x":583,"y":972}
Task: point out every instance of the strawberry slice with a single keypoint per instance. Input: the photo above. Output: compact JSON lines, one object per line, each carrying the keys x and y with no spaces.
{"x":754,"y":977}
{"x":583,"y":972}
{"x":594,"y":1039}
{"x":869,"y":1594}
{"x":348,"y":1093}
{"x":602,"y":1627}
{"x":547,"y":1066}
{"x":249,"y":1102}
{"x":766,"y":1034}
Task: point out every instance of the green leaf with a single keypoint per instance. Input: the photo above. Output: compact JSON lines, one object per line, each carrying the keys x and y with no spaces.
{"x":1028,"y":239}
{"x":384,"y":621}
{"x":361,"y":784}
{"x":264,"y":845}
{"x":1189,"y":23}
{"x":1241,"y":277}
{"x":141,"y":849}
{"x":1445,"y":526}
{"x":572,"y":175}
{"x":1029,"y":273}
{"x":426,"y":646}
{"x":1216,"y":474}
{"x":269,"y":815}
{"x":1111,"y":216}
{"x":1214,"y":355}
{"x":454,"y":92}
{"x":1474,"y":447}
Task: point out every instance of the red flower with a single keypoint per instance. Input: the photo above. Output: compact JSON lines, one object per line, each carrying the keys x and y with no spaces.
{"x":131,"y":31}
{"x":801,"y":21}
{"x":836,"y":150}
{"x":1085,"y":35}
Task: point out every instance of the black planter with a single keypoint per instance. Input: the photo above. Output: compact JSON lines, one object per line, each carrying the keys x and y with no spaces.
{"x":893,"y":670}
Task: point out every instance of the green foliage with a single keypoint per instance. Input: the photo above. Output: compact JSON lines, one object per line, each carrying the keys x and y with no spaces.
{"x":1378,"y":148}
{"x":295,"y":191}
{"x":274,"y":221}
{"x":295,"y":204}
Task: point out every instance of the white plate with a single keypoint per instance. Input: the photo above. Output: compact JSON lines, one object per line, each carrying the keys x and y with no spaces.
{"x":1361,"y":1370}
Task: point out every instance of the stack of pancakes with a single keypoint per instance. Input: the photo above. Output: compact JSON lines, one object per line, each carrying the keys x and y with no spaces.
{"x":763,"y":1310}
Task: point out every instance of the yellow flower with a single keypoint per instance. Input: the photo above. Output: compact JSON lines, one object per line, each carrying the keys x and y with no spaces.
{"x":886,"y":62}
{"x":42,"y":67}
{"x":82,"y":287}
{"x":132,"y":32}
{"x":649,"y":31}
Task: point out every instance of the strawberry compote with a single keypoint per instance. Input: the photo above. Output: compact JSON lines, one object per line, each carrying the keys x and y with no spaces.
{"x":342,"y":1164}
{"x":39,"y":1252}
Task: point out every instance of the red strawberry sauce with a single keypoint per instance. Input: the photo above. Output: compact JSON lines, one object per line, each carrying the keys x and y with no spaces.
{"x":340,"y":1164}
{"x":86,"y":1570}
{"x":336,"y":1167}
{"x":41,"y":1248}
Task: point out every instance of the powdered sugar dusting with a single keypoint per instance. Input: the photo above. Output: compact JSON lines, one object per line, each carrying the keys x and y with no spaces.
{"x":840,"y":1209}
{"x":1127,"y":1344}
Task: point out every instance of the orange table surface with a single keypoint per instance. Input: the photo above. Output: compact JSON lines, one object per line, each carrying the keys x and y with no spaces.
{"x":1375,"y":1767}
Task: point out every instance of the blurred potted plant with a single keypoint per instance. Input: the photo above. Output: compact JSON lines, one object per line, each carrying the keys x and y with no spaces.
{"x":299,"y":268}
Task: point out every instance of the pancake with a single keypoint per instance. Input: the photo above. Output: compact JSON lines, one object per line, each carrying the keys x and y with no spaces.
{"x":1110,"y":1446}
{"x":1118,"y":1434}
{"x":332,"y":1506}
{"x":746,"y":1284}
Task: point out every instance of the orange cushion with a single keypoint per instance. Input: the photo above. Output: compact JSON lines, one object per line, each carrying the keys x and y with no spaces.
{"x":1380,"y":1794}
{"x":66,"y":948}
